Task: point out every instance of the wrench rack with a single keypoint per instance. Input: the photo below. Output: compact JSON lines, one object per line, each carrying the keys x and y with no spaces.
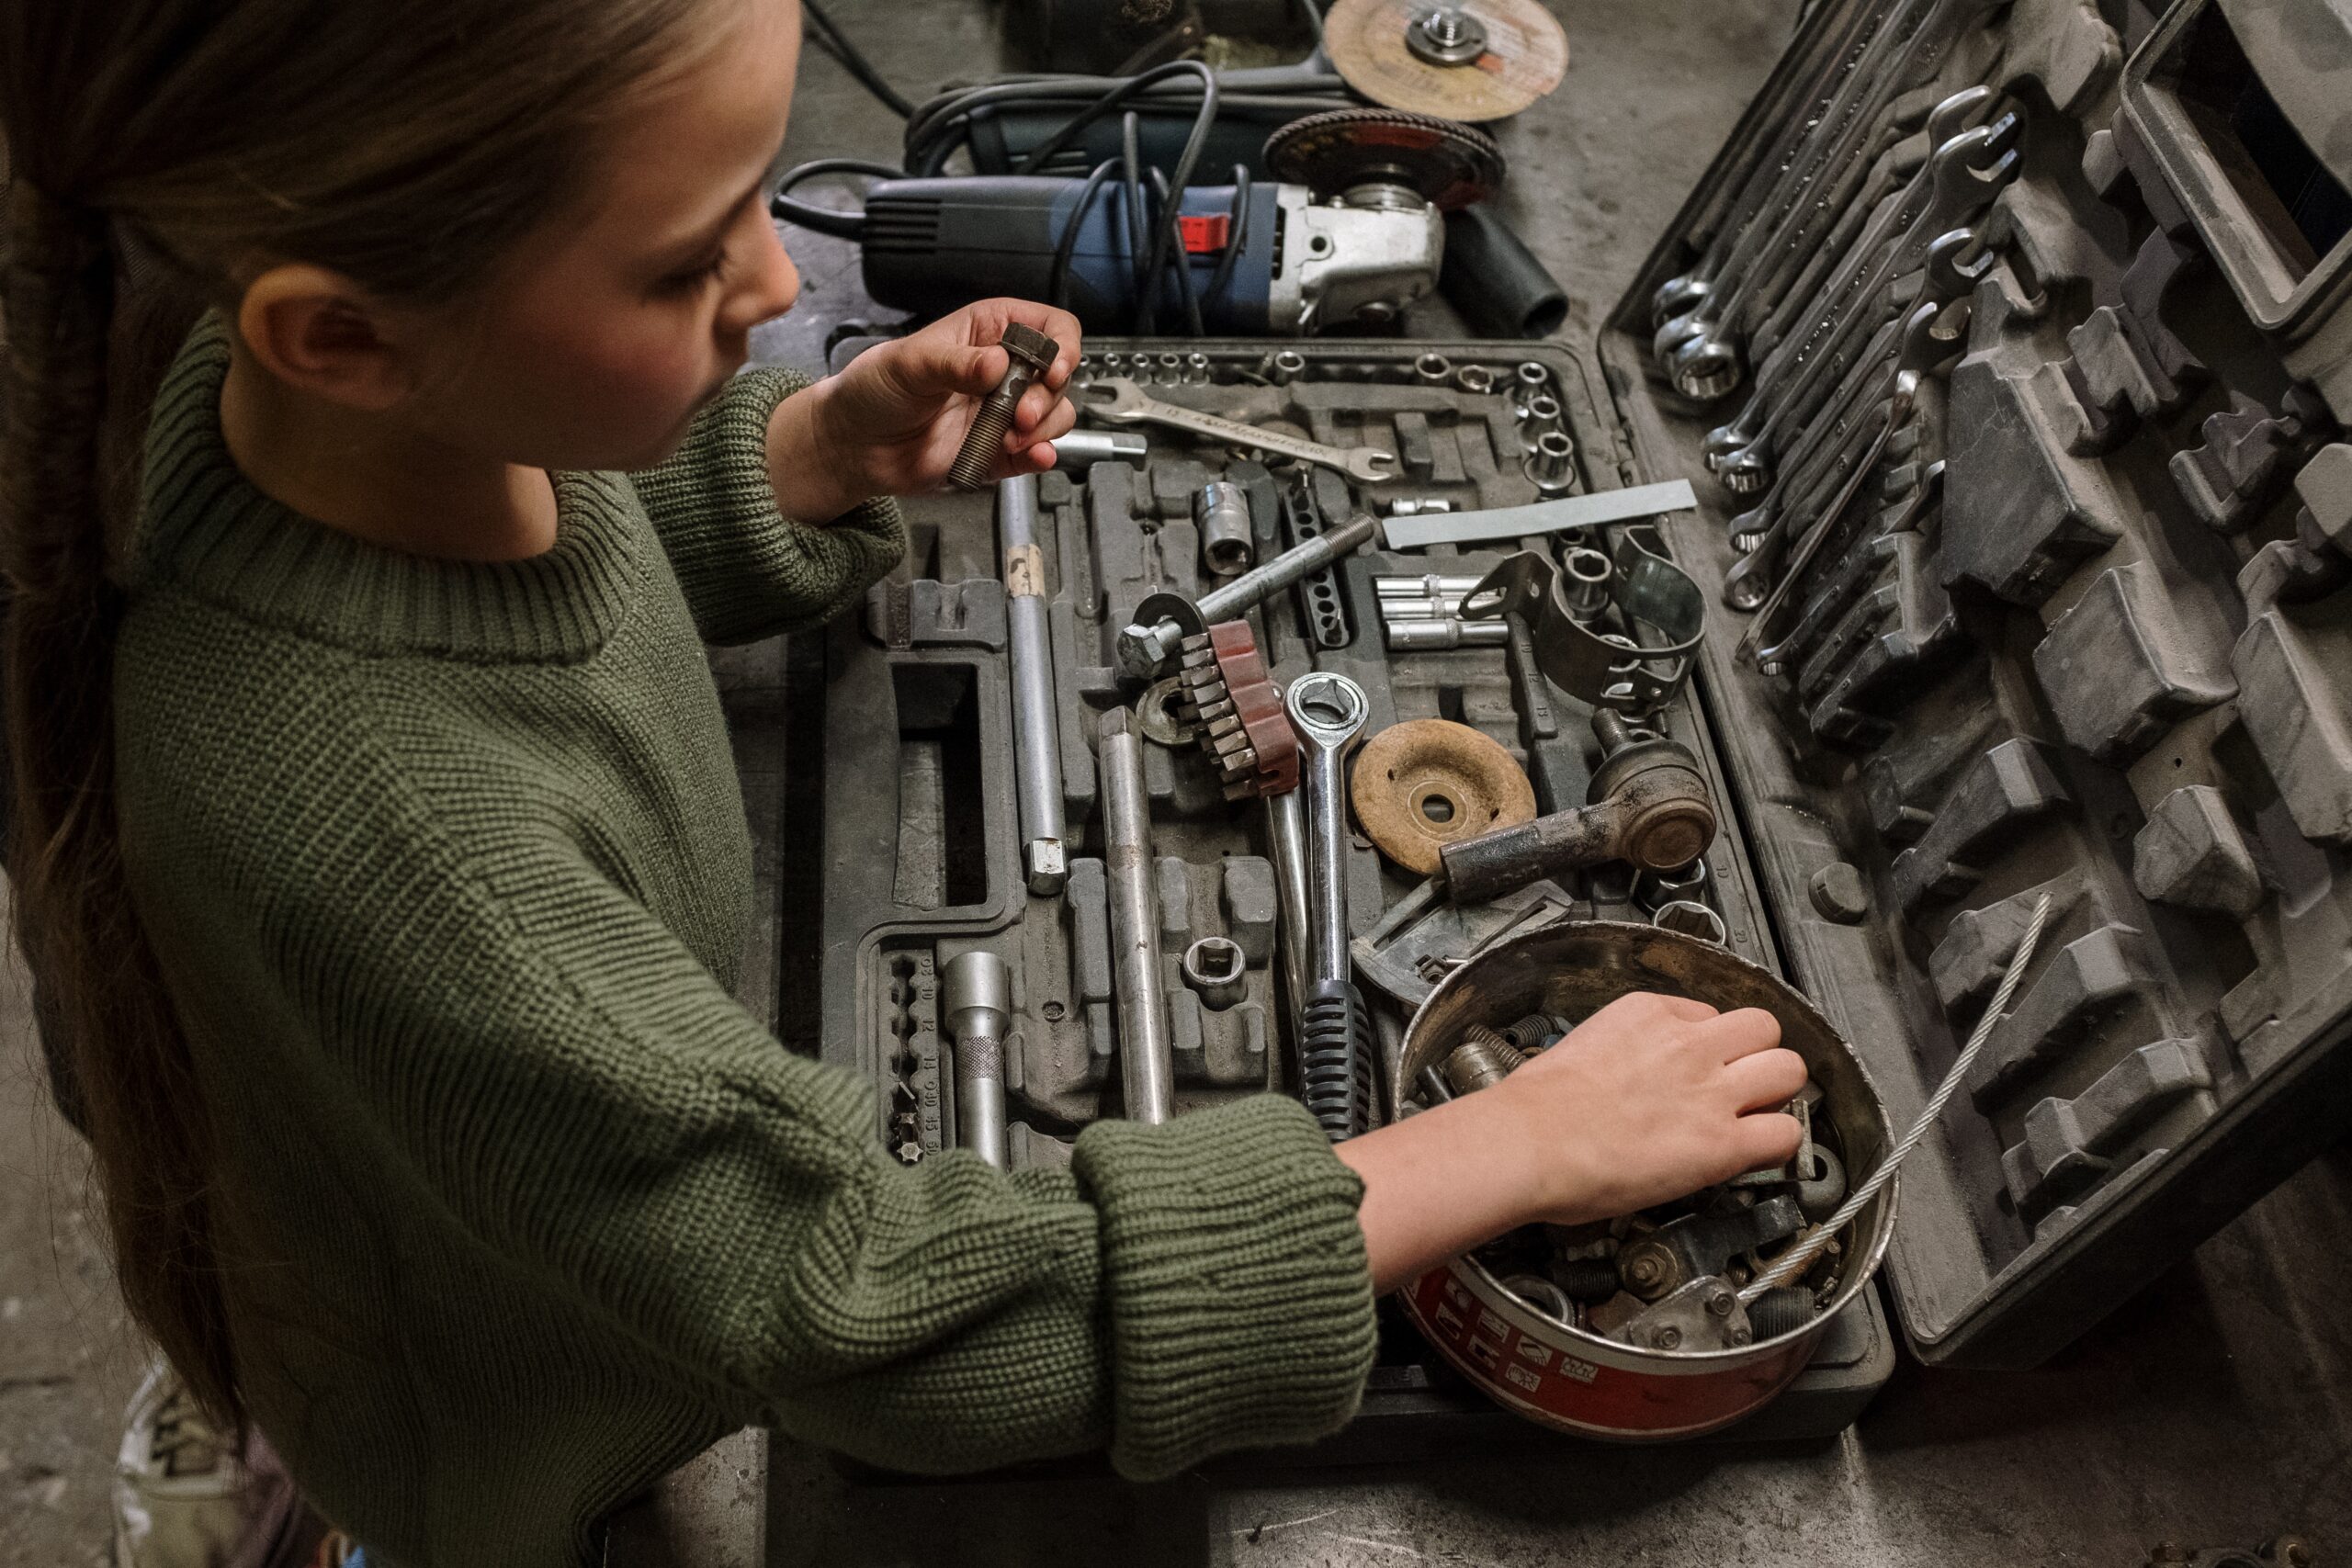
{"x":905,"y":795}
{"x":2055,"y":605}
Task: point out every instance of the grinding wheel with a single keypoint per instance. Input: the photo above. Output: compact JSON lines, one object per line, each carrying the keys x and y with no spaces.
{"x":1468,"y":60}
{"x":1426,"y":783}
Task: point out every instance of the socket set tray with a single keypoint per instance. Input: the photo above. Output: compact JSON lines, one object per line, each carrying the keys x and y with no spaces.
{"x":907,"y":789}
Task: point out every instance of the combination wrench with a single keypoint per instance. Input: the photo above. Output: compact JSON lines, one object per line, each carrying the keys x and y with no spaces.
{"x":1958,"y":182}
{"x":1744,"y":457}
{"x":1696,"y":349}
{"x":1933,"y":337}
{"x":1806,"y":95}
{"x":1702,"y":354}
{"x":1130,"y":404}
{"x":1335,"y":1043}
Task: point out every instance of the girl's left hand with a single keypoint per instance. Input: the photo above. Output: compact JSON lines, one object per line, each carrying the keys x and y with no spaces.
{"x":892,"y":422}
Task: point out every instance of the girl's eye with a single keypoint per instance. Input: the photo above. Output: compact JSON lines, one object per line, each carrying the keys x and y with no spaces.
{"x":693,"y":276}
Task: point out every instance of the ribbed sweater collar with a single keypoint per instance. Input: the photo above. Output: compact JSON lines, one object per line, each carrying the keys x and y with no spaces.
{"x":206,"y":528}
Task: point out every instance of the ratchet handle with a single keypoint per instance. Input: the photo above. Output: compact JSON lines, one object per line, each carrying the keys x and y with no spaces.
{"x":1335,"y":1053}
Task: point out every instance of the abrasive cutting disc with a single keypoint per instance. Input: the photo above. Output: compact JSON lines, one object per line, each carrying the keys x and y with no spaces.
{"x":1448,"y":164}
{"x":1469,"y":59}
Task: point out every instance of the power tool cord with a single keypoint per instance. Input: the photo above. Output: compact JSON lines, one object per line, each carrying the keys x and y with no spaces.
{"x":1794,"y":1261}
{"x":856,"y":65}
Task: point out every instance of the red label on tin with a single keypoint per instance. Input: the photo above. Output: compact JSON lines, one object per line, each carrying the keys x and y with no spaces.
{"x":1552,"y":1385}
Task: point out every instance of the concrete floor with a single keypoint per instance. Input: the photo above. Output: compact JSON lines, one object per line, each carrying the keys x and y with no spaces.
{"x":2216,"y":1408}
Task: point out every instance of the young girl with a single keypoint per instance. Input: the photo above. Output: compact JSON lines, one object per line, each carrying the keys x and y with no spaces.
{"x":379,"y":845}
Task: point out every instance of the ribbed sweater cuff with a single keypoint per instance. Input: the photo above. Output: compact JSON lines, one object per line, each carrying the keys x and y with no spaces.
{"x":1239,"y":1295}
{"x":749,"y":571}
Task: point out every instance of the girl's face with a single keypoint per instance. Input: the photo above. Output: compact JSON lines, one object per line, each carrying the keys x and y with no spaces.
{"x":605,"y":332}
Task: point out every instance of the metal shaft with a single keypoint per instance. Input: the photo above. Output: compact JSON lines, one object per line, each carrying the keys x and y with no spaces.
{"x":1152,"y":640}
{"x":976,"y":993}
{"x":1286,"y":838}
{"x":1037,"y":736}
{"x":1253,"y":587}
{"x":1147,"y":1071}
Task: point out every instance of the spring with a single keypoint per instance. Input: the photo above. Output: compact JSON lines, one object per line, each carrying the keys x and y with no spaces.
{"x":1586,"y":1278}
{"x":1781,"y":1310}
{"x":1532,"y":1033}
{"x":1334,"y":1068}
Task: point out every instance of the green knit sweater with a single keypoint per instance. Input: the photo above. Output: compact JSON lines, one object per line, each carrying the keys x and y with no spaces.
{"x":447,"y":870}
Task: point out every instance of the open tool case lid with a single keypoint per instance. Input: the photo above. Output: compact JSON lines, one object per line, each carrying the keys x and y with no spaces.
{"x":2084,"y":630}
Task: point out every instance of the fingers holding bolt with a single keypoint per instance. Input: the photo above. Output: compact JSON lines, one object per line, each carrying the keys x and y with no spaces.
{"x":1026,"y":410}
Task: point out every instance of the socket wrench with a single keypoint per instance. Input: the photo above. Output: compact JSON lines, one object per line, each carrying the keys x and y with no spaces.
{"x":1335,"y":1043}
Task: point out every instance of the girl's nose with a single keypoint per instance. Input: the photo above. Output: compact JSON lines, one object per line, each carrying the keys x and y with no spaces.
{"x":774,"y":285}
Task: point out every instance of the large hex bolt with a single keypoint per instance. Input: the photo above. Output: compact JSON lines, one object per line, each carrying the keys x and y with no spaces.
{"x":1030,"y":356}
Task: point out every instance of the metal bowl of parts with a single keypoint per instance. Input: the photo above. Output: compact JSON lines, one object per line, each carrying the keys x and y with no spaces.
{"x":1666,"y":1348}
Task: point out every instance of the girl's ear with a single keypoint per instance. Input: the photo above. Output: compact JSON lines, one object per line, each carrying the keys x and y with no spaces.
{"x":317,"y":332}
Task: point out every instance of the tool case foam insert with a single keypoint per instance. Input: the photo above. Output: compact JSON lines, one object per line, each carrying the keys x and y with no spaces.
{"x":911,"y":794}
{"x":2109,"y":660}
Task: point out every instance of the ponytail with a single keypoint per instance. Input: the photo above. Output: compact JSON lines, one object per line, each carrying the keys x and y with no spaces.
{"x":407,"y":147}
{"x":126,"y":1060}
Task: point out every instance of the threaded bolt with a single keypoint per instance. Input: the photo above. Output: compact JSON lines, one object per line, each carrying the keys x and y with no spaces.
{"x":1032,"y":355}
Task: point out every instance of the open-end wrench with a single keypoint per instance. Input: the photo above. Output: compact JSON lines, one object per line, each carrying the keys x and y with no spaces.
{"x":1965,"y":169}
{"x":1933,"y":337}
{"x":1801,"y":95}
{"x":1702,"y":357}
{"x":1335,"y":1042}
{"x":1130,"y":404}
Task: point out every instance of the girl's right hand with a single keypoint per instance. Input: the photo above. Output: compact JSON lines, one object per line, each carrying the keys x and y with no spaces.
{"x":1649,"y":1099}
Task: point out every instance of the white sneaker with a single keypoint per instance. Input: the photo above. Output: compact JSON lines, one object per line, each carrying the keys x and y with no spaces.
{"x":182,"y":1499}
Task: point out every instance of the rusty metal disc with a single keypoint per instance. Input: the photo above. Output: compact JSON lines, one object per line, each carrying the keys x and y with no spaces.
{"x":1425,"y":783}
{"x":1468,"y":60}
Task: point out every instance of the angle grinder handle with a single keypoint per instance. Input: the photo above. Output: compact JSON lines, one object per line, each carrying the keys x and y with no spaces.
{"x":1495,"y":282}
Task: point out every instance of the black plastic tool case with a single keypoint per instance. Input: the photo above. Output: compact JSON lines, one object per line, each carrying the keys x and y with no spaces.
{"x":910,"y":816}
{"x":2111,"y":661}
